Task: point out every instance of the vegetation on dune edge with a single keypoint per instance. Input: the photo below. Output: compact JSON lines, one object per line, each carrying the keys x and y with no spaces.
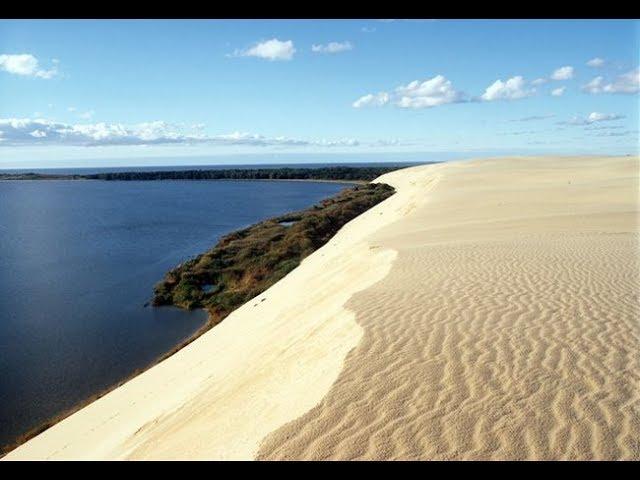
{"x":247,"y":262}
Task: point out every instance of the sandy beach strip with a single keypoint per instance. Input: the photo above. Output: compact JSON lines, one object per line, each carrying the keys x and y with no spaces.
{"x":488,"y":310}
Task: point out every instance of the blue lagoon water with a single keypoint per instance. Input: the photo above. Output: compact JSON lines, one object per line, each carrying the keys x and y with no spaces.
{"x":78,"y":261}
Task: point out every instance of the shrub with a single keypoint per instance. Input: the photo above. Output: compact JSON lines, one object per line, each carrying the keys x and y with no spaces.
{"x":245,"y":263}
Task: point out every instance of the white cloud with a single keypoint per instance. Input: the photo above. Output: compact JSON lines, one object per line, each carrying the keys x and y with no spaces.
{"x":25,"y":65}
{"x":539,"y":81}
{"x":273,"y":49}
{"x":38,"y":134}
{"x":372,"y":100}
{"x":429,"y":93}
{"x":602,"y":117}
{"x":348,"y":142}
{"x":16,"y":132}
{"x":513,"y":89}
{"x":595,"y":85}
{"x":416,"y":95}
{"x":593,"y":117}
{"x":557,"y":92}
{"x":595,"y":62}
{"x":86,"y":115}
{"x":332,"y":47}
{"x":563,"y":73}
{"x":368,"y":29}
{"x":627,"y":83}
{"x":244,"y":138}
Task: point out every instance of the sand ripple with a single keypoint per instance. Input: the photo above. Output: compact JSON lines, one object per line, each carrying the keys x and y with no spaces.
{"x":522,"y":346}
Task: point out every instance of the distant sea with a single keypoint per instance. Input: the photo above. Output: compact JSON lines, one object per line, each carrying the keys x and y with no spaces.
{"x":78,"y":261}
{"x":273,"y":160}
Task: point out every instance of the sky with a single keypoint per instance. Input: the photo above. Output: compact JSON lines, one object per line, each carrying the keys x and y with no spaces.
{"x":113,"y":92}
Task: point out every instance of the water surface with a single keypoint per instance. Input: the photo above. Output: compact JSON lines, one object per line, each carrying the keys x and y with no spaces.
{"x":78,"y":261}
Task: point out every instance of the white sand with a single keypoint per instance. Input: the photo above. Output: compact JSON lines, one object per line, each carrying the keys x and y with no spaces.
{"x":489,"y":309}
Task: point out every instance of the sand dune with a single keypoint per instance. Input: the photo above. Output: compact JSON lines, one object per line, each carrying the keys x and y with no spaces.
{"x":508,"y":327}
{"x":488,"y":310}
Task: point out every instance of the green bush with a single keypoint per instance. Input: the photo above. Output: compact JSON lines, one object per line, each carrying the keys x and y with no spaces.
{"x":245,"y":263}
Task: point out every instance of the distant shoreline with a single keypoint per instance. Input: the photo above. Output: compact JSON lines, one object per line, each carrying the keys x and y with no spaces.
{"x":334,"y":174}
{"x":303,"y":180}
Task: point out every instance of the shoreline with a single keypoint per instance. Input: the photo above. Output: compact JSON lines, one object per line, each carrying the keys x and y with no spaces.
{"x":310,"y":180}
{"x":335,"y":173}
{"x":208,"y":330}
{"x":211,"y":322}
{"x":484,"y":311}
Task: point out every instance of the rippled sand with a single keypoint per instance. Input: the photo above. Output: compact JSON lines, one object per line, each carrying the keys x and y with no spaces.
{"x":488,"y":310}
{"x":508,"y":327}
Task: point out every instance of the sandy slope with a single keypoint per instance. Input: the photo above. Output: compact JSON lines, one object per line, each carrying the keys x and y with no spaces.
{"x":508,"y":328}
{"x":269,"y":362}
{"x":489,"y":309}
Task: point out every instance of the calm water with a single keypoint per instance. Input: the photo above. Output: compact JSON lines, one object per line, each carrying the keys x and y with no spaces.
{"x":78,"y":261}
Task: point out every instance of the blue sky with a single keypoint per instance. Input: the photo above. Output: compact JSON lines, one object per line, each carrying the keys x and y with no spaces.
{"x":108,"y":92}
